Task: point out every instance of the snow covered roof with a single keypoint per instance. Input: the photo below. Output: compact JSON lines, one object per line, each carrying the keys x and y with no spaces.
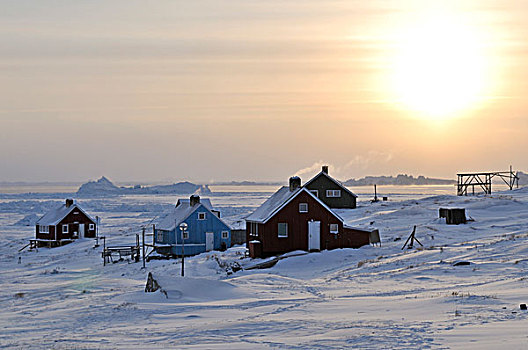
{"x":280,"y":199}
{"x":182,"y":211}
{"x":351,"y":217}
{"x":322,"y":173}
{"x":54,"y":216}
{"x":273,"y":203}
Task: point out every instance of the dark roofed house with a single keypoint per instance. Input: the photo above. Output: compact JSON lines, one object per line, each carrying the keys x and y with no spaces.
{"x":293,"y":218}
{"x":64,"y":224}
{"x":330,"y":191}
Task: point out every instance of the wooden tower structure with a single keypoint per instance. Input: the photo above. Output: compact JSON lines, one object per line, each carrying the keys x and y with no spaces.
{"x":483,"y":180}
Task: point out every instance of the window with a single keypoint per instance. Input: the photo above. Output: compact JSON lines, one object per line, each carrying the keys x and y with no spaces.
{"x":201,"y":216}
{"x":160,"y":236}
{"x":185,"y":235}
{"x":75,"y":212}
{"x":225,"y":234}
{"x":91,"y":227}
{"x":333,"y":193}
{"x":253,"y":229}
{"x":65,"y":228}
{"x":334,"y":228}
{"x":44,"y":229}
{"x":315,"y":192}
{"x":283,"y":229}
{"x":303,"y":207}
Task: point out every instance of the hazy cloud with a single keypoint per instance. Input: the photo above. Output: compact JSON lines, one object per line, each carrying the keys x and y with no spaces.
{"x":360,"y":165}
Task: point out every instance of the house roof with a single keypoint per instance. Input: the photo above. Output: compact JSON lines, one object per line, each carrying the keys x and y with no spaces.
{"x":278,"y":201}
{"x":353,"y":221}
{"x":267,"y":208}
{"x":182,"y":211}
{"x":322,"y":173}
{"x":54,"y":216}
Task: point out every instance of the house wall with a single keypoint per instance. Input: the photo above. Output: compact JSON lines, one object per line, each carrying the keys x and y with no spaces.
{"x":73,"y":220}
{"x":323,"y":183}
{"x":354,"y":238}
{"x":298,"y":227}
{"x":197,"y":229}
{"x":238,"y":237}
{"x":50,"y":235}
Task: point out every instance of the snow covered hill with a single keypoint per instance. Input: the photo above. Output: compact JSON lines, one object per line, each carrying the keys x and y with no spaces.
{"x":368,"y":298}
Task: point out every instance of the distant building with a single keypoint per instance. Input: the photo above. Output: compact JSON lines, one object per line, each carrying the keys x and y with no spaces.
{"x":294,"y":218}
{"x":330,"y":191}
{"x":205,"y":230}
{"x":238,"y":232}
{"x":64,"y":224}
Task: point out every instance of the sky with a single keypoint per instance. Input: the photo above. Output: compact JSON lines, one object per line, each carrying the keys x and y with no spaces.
{"x":260,"y":90}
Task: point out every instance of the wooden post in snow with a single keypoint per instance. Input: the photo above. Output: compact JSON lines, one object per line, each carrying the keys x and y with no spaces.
{"x":143,"y":245}
{"x":411,"y":240}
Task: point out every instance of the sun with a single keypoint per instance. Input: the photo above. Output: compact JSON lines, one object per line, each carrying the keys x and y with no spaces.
{"x":439,"y":68}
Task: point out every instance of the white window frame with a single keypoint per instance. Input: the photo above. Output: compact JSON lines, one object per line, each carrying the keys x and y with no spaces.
{"x":185,"y":234}
{"x":336,"y":228}
{"x":65,"y":228}
{"x":201,"y":216}
{"x":253,"y":230}
{"x":75,"y":213}
{"x":159,"y":236}
{"x":43,"y":229}
{"x":303,"y":207}
{"x":333,"y":193}
{"x":278,"y":230}
{"x":315,"y":193}
{"x":91,"y":227}
{"x":225,"y":234}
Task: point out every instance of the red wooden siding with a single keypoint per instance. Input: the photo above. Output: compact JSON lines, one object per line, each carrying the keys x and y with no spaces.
{"x":73,"y":219}
{"x":50,"y":235}
{"x":298,"y":229}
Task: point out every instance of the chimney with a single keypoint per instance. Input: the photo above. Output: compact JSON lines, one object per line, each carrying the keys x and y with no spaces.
{"x":69,"y":203}
{"x":295,"y":183}
{"x":325,"y":169}
{"x":195,"y":199}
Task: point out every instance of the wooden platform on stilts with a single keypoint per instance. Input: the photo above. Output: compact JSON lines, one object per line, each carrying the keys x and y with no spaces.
{"x":483,"y":181}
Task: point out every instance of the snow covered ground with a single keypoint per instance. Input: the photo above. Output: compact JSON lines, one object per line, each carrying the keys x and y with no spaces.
{"x":368,"y":298}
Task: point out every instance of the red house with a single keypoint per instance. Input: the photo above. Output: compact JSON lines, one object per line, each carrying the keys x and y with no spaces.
{"x":64,"y":224}
{"x":293,"y":218}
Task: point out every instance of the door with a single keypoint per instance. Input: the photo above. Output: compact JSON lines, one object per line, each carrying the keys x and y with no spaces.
{"x":81,"y":230}
{"x":209,"y":241}
{"x":314,"y":235}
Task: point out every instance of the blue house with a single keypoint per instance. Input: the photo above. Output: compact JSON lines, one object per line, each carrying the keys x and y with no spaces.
{"x":205,"y":230}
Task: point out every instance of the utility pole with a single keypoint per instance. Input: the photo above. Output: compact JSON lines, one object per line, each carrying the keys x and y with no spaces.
{"x":183,"y":228}
{"x":96,"y":231}
{"x":143,"y":245}
{"x":104,"y":250}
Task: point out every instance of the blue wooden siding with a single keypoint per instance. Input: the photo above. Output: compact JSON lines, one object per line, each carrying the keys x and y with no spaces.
{"x":195,"y":243}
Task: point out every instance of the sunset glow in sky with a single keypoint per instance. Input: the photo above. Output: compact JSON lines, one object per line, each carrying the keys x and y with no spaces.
{"x":260,"y":90}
